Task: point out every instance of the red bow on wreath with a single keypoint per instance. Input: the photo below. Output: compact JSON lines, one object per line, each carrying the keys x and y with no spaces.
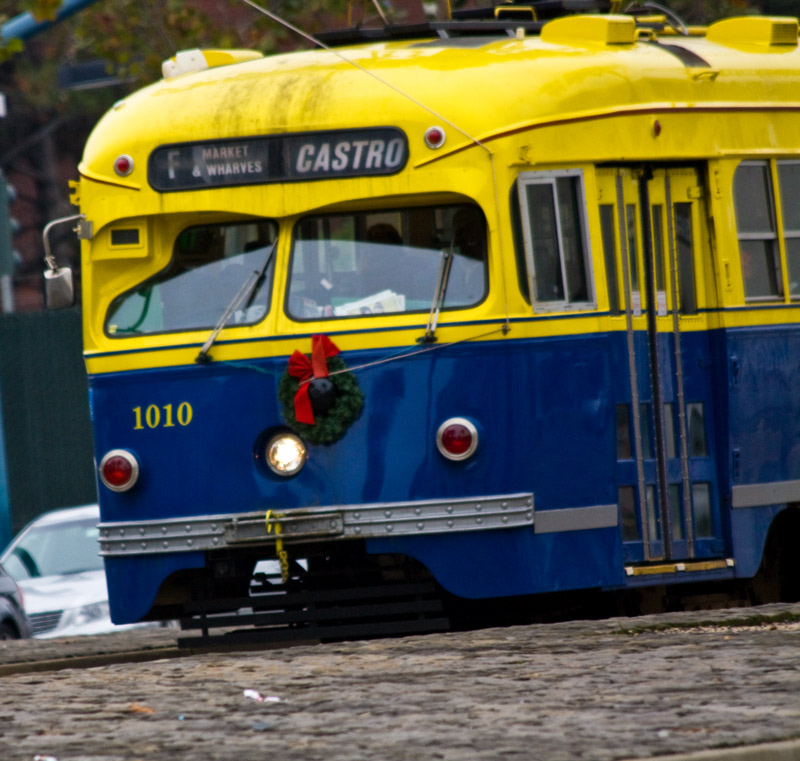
{"x":307,"y":370}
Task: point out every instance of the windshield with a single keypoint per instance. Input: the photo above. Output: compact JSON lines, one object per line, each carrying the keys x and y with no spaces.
{"x":375,"y":262}
{"x":209,"y":265}
{"x":54,"y":549}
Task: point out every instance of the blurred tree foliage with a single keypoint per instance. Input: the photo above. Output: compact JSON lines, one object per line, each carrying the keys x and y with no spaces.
{"x":706,"y":11}
{"x":781,"y":7}
{"x":133,"y":37}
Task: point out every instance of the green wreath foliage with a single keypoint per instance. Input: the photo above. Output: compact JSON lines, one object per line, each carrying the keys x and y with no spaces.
{"x":331,"y":425}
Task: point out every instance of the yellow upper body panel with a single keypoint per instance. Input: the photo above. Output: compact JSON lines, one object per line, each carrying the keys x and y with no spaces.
{"x":587,"y":91}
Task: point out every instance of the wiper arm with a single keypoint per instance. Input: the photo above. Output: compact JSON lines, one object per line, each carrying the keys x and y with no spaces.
{"x":438,"y":295}
{"x":244,"y":296}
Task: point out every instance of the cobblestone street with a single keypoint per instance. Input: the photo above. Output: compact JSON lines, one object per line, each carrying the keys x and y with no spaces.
{"x":600,"y":690}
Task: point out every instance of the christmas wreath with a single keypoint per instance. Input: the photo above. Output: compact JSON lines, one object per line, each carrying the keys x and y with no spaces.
{"x":318,"y":400}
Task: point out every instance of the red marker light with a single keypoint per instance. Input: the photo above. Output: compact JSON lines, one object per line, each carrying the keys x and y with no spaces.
{"x":119,"y":470}
{"x":457,"y":439}
{"x":434,"y":137}
{"x":123,"y":165}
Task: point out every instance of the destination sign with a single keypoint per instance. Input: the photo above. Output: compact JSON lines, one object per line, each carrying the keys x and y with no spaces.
{"x":278,"y":158}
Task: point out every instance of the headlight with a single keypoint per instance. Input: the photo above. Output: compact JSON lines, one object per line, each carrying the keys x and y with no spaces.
{"x":88,"y":614}
{"x":286,"y":454}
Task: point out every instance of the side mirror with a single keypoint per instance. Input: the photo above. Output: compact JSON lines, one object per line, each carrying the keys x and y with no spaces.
{"x":59,"y":292}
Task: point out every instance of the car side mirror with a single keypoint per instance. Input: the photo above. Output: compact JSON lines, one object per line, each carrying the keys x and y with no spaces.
{"x":59,"y":292}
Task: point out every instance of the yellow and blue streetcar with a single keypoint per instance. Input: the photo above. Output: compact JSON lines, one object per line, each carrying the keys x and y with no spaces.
{"x":498,"y":306}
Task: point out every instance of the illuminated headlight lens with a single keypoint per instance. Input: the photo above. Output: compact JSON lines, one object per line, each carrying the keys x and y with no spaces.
{"x":286,"y":454}
{"x":457,"y":438}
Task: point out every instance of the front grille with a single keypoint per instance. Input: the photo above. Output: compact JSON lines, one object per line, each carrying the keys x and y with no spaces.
{"x":41,"y":623}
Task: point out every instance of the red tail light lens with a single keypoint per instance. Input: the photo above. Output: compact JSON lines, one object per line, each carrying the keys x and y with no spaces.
{"x":457,"y":438}
{"x":119,"y":470}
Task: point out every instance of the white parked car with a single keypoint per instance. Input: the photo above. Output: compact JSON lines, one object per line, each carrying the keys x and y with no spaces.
{"x":54,"y":561}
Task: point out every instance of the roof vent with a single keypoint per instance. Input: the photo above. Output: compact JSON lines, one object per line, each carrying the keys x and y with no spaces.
{"x":754,"y":30}
{"x":197,"y":60}
{"x":594,"y":29}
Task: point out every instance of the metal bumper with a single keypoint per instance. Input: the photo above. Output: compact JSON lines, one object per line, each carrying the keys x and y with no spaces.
{"x":310,"y":524}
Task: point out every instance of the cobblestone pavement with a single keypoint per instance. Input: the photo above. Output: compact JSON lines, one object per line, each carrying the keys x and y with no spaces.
{"x":600,"y":690}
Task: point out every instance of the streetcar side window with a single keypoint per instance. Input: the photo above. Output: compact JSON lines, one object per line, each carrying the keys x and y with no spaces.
{"x":687,"y":288}
{"x":211,"y":266}
{"x":789,"y":181}
{"x":758,"y":239}
{"x":387,"y":261}
{"x":556,"y":243}
{"x":609,"y":237}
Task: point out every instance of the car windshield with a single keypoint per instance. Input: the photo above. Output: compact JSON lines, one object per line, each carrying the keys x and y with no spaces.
{"x":54,"y":549}
{"x":376,"y":262}
{"x":210,"y":265}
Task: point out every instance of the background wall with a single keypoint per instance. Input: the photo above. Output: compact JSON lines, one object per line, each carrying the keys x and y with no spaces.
{"x":46,"y":448}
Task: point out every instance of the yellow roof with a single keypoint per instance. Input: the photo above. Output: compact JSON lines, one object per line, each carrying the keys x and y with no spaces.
{"x":485,"y":86}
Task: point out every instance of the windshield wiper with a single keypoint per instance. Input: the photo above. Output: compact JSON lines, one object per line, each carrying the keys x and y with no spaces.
{"x":244,"y":296}
{"x":438,"y":295}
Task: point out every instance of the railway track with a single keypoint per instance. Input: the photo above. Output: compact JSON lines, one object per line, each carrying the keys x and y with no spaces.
{"x":137,"y":646}
{"x":93,"y":660}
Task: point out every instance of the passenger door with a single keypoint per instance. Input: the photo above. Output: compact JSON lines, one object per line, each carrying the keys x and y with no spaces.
{"x":661,"y":290}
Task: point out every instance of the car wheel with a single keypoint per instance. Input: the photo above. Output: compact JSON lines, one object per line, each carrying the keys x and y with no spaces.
{"x":7,"y":631}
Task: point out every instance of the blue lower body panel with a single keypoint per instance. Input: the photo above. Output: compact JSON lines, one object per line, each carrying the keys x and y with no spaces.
{"x":133,"y":582}
{"x":547,"y":413}
{"x":515,"y":562}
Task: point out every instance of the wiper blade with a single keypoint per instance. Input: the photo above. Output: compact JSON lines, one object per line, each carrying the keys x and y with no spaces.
{"x":438,"y":295}
{"x":244,"y":296}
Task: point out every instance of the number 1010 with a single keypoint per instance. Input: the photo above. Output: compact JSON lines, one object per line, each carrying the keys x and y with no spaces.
{"x":162,"y":417}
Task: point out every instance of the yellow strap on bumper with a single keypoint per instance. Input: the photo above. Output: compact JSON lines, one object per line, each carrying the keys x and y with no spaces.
{"x":272,"y":520}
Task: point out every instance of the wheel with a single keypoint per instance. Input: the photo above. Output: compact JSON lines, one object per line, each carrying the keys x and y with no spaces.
{"x":778,"y":577}
{"x":7,"y":631}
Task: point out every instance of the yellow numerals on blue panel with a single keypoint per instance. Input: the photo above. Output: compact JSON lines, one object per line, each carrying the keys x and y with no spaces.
{"x":165,"y":416}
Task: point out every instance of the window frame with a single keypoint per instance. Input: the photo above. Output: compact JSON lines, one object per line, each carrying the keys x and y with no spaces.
{"x":157,"y":278}
{"x":409,"y":208}
{"x":550,"y":178}
{"x":774,"y":237}
{"x":785,"y":232}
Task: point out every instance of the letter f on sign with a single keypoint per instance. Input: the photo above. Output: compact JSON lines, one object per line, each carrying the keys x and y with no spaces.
{"x":173,"y":163}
